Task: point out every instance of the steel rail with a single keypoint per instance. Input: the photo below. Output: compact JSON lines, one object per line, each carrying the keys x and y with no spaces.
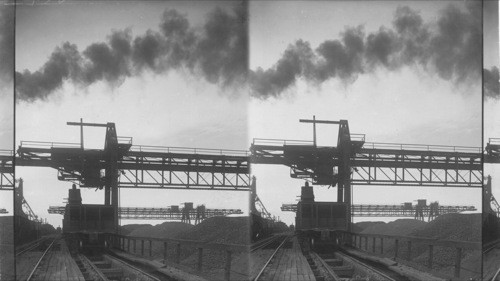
{"x":125,"y":263}
{"x":262,"y":243}
{"x":31,"y":246}
{"x":40,"y":260}
{"x":352,"y":259}
{"x":496,"y":275}
{"x":269,"y":260}
{"x":92,"y":266}
{"x":491,"y":245}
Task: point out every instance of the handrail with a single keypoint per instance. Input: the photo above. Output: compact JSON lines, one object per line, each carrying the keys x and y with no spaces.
{"x":6,"y":152}
{"x":281,"y":142}
{"x":471,"y":245}
{"x":424,"y":147}
{"x":188,"y":150}
{"x":43,"y":144}
{"x":494,"y":141}
{"x":202,"y":244}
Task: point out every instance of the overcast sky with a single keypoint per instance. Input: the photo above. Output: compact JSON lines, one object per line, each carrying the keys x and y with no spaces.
{"x":383,"y":89}
{"x":174,"y":74}
{"x":492,"y":105}
{"x":6,"y":90}
{"x":122,"y":64}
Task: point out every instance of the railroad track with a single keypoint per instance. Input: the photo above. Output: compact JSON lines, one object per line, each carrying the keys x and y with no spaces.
{"x":267,"y":242}
{"x":488,"y":247}
{"x":38,"y":268}
{"x":31,"y":246}
{"x":338,"y":266}
{"x":282,"y":240}
{"x":106,"y":266}
{"x":491,"y":245}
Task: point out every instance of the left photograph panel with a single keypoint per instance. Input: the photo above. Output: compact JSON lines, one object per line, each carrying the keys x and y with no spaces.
{"x":7,"y":12}
{"x":131,"y":140}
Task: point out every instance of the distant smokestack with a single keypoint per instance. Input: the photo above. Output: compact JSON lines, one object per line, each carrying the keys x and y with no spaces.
{"x":217,"y":52}
{"x":450,"y":47}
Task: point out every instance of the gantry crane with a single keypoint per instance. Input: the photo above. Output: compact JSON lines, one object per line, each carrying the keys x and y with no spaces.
{"x":491,"y":156}
{"x":356,"y":162}
{"x":256,"y":205}
{"x":402,"y":210}
{"x":170,"y":213}
{"x":6,"y":169}
{"x":123,"y":165}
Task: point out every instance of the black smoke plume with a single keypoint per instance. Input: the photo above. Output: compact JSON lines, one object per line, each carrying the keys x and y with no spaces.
{"x":449,"y":47}
{"x":6,"y":43}
{"x":217,"y":51}
{"x":491,"y":83}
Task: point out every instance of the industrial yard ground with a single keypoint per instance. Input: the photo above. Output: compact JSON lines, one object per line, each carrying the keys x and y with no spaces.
{"x":457,"y":227}
{"x":228,"y":230}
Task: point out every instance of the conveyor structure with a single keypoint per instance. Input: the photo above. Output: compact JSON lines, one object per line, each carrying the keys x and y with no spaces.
{"x":171,"y":213}
{"x":353,"y":161}
{"x":120,"y":164}
{"x":6,"y":170}
{"x":402,"y":210}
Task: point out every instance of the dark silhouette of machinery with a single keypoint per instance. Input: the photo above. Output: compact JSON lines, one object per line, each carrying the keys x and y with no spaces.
{"x":406,"y":209}
{"x":312,"y":215}
{"x":121,"y":165}
{"x":354,"y":161}
{"x":26,"y":223}
{"x":170,"y":213}
{"x":6,"y":169}
{"x":491,"y":207}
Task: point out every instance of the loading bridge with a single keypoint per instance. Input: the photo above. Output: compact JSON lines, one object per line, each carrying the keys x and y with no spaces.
{"x":122,"y":165}
{"x":6,"y":169}
{"x":354,"y":161}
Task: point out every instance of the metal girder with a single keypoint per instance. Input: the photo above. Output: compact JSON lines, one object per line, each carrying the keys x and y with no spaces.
{"x":145,"y":166}
{"x":359,"y":210}
{"x":159,"y":213}
{"x":185,"y":168}
{"x":377,"y":163}
{"x":415,"y":167}
{"x":492,"y":151}
{"x":7,"y":180}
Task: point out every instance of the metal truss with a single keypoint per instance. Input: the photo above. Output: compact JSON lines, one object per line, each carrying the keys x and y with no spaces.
{"x":6,"y":170}
{"x":160,"y":213}
{"x":376,"y":163}
{"x":449,"y":166}
{"x":492,"y":151}
{"x":163,"y":167}
{"x":145,"y":166}
{"x":359,"y":210}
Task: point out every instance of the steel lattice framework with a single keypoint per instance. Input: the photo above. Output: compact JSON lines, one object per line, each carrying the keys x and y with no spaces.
{"x":423,"y":165}
{"x":164,"y":167}
{"x":6,"y":170}
{"x":377,"y":163}
{"x":159,"y":213}
{"x":359,"y":210}
{"x":145,"y":166}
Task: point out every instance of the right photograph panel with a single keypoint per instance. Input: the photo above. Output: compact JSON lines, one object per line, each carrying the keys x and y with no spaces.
{"x":365,"y":122}
{"x":491,"y":207}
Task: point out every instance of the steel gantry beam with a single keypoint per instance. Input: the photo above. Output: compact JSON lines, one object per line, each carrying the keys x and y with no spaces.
{"x":374,"y":163}
{"x":159,"y":213}
{"x":360,"y":210}
{"x":7,"y":180}
{"x":492,"y":151}
{"x":142,"y":166}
